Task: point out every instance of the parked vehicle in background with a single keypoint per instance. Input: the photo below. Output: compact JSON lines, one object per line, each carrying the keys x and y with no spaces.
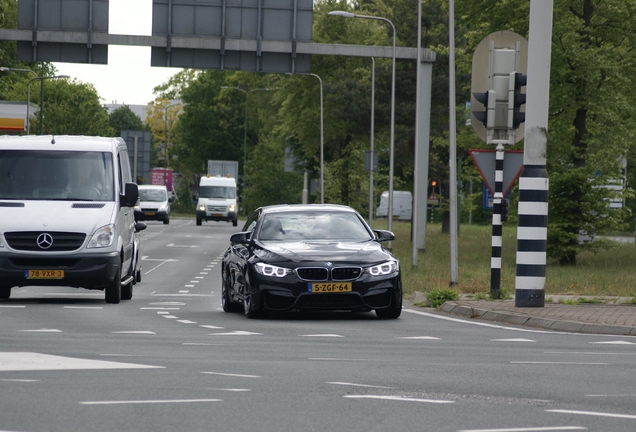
{"x":217,"y":200}
{"x":402,"y":205}
{"x":310,"y":258}
{"x":154,"y":204}
{"x":66,"y":211}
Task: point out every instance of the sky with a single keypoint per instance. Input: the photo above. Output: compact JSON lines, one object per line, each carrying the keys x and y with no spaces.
{"x":128,"y":78}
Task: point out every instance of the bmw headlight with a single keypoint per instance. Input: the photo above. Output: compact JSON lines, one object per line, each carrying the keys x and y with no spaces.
{"x":270,"y":270}
{"x":103,"y":237}
{"x":384,"y":269}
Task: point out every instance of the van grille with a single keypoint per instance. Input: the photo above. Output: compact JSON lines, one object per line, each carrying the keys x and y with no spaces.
{"x":217,"y":209}
{"x":60,"y":241}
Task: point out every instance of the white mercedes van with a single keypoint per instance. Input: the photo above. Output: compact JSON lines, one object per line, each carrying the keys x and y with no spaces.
{"x":217,"y":199}
{"x":66,"y":214}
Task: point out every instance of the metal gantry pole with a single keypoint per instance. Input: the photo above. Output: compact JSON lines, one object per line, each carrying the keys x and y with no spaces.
{"x":454,"y":277}
{"x":371,"y":158}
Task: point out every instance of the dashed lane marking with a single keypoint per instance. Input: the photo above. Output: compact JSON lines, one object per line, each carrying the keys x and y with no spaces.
{"x":231,"y":375}
{"x":164,"y":401}
{"x":399,"y":398}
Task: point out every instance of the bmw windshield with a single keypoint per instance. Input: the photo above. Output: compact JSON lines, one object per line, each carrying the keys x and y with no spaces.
{"x":288,"y":226}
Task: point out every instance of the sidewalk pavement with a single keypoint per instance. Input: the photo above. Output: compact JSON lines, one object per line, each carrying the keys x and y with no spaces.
{"x":614,"y":316}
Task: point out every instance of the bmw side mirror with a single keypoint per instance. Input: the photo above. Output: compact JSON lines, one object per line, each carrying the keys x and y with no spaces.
{"x":383,"y":235}
{"x":242,"y":238}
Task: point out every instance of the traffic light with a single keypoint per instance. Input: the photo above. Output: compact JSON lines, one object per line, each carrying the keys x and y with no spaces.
{"x":516,"y":99}
{"x":434,"y":193}
{"x":487,"y":116}
{"x":504,"y":210}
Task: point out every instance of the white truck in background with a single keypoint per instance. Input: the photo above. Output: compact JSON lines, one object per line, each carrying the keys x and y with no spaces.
{"x":217,"y":197}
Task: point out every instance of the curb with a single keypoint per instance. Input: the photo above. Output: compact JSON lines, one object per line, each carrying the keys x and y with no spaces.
{"x":542,"y":323}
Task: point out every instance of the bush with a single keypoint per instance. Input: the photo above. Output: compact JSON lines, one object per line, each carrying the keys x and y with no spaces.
{"x":438,"y":297}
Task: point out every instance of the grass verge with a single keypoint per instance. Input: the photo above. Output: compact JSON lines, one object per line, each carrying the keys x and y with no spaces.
{"x":608,"y":273}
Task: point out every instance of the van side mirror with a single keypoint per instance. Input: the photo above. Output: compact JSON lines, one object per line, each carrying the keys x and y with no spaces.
{"x":131,"y":195}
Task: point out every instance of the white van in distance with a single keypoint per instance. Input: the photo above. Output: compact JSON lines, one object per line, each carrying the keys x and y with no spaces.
{"x":217,"y":199}
{"x":402,"y":205}
{"x":66,"y":214}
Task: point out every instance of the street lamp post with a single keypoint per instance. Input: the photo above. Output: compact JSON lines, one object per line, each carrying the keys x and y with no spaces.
{"x":246,"y":92}
{"x":392,"y":141}
{"x":165,"y":131}
{"x":28,"y":120}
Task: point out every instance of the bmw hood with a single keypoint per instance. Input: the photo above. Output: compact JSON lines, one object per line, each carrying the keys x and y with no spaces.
{"x":368,"y":252}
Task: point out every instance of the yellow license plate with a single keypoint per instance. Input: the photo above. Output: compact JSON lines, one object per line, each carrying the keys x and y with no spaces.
{"x":330,"y":287}
{"x":44,"y":274}
{"x":150,"y":213}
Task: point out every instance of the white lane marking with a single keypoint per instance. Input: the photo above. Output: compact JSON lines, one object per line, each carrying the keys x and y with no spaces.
{"x":483,"y":324}
{"x":44,"y":330}
{"x":231,"y":389}
{"x":20,"y":380}
{"x":170,"y":316}
{"x":159,"y":308}
{"x":399,"y":398}
{"x":134,"y":332}
{"x":149,"y":401}
{"x":188,"y":286}
{"x":182,"y":246}
{"x":592,"y":413}
{"x":201,"y":344}
{"x":168,"y":304}
{"x":83,"y":307}
{"x":194,"y":281}
{"x":235,"y":333}
{"x":419,"y":337}
{"x":358,"y":385}
{"x":183,"y":291}
{"x":531,"y":429}
{"x":512,"y":340}
{"x":559,"y":363}
{"x":163,"y":312}
{"x":186,"y":322}
{"x":619,"y":342}
{"x":322,"y":335}
{"x":30,"y":361}
{"x":203,"y":272}
{"x":180,"y":295}
{"x":232,"y":375}
{"x":200,"y":277}
{"x":345,"y":359}
{"x":589,"y":353}
{"x":610,"y":395}
{"x":13,"y":306}
{"x":162,"y":262}
{"x":211,"y":326}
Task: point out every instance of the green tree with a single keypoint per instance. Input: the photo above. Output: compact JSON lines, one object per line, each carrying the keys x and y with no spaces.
{"x":123,"y":118}
{"x":70,"y":107}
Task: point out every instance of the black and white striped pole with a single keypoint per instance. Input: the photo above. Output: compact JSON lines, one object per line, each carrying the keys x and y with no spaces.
{"x":497,"y":226}
{"x":532,"y":230}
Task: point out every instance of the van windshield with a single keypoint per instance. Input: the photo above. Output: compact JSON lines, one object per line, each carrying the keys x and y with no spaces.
{"x":154,"y":195}
{"x":223,"y":192}
{"x":56,"y":175}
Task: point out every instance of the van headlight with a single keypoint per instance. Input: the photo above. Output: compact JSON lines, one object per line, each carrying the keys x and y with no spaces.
{"x":201,"y":207}
{"x":384,"y":269}
{"x":102,"y":238}
{"x":232,"y":208}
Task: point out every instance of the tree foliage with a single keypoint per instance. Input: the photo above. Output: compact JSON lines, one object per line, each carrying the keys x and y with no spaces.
{"x":123,"y":118}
